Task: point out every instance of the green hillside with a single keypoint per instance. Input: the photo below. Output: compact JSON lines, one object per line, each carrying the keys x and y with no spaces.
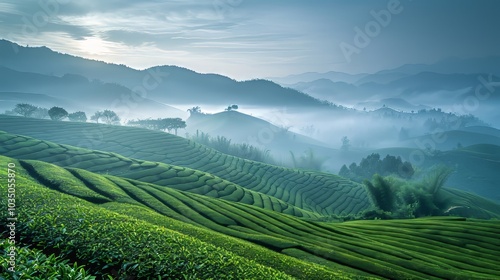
{"x":321,"y":193}
{"x":243,"y":128}
{"x":183,"y":234}
{"x":199,"y":182}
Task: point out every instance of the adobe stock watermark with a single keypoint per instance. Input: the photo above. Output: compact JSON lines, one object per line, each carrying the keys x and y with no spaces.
{"x":363,"y":36}
{"x":39,"y":19}
{"x":11,"y":216}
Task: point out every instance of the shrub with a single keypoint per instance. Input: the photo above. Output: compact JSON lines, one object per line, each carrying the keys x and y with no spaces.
{"x":78,"y":117}
{"x":57,"y":113}
{"x":25,"y":110}
{"x":395,"y":198}
{"x":372,"y":165}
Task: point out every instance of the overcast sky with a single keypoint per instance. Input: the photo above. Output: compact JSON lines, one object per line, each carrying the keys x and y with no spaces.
{"x":247,"y":39}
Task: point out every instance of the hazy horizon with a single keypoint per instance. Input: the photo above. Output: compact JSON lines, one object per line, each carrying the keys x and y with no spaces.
{"x":245,"y":40}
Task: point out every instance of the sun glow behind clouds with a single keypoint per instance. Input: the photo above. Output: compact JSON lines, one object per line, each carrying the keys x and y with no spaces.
{"x":93,"y":46}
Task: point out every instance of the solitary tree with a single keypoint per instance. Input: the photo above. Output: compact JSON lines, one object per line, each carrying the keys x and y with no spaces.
{"x":107,"y":116}
{"x":25,"y":110}
{"x":176,"y":123}
{"x":194,"y":111}
{"x":110,"y":117}
{"x":232,"y":107}
{"x":78,"y":117}
{"x":57,"y":113}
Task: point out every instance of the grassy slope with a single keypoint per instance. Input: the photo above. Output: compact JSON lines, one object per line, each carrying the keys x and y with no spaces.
{"x":181,"y":178}
{"x":452,"y":248}
{"x":194,"y":181}
{"x":312,"y":191}
{"x":240,"y":127}
{"x":175,"y":212}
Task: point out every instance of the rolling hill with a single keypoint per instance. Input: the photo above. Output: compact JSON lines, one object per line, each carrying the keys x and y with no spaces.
{"x":321,"y":193}
{"x":291,"y":191}
{"x":243,"y":128}
{"x":208,"y":236}
{"x":204,"y":206}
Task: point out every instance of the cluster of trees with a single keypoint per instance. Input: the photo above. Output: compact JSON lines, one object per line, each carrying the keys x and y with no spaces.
{"x":450,"y":122}
{"x":54,"y":113}
{"x":168,"y":124}
{"x":58,"y":114}
{"x":372,"y":165}
{"x":231,"y":107}
{"x":106,"y":116}
{"x":224,"y":145}
{"x":195,"y":111}
{"x":394,"y":198}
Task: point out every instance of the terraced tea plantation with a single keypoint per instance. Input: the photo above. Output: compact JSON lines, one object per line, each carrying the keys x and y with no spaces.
{"x":180,"y":210}
{"x":81,"y":200}
{"x":317,"y":192}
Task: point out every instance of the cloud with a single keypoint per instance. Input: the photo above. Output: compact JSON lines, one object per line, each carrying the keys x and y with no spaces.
{"x":276,"y":37}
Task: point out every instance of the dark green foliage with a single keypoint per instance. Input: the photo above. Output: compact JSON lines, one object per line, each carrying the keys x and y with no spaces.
{"x":113,"y":244}
{"x":25,"y":110}
{"x":422,"y":248}
{"x":35,"y":265}
{"x":78,"y":117}
{"x":395,"y":198}
{"x":57,"y":113}
{"x":381,"y":192}
{"x":372,"y":164}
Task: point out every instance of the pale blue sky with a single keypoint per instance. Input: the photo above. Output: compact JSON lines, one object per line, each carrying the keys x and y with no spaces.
{"x":247,"y":39}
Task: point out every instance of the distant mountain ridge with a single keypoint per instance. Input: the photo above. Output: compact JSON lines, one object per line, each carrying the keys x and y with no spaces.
{"x":73,"y":91}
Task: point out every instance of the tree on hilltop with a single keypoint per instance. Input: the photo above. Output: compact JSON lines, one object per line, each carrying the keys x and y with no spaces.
{"x":78,"y":117}
{"x":231,"y":107}
{"x":41,"y":113}
{"x":96,"y":116}
{"x":194,"y":111}
{"x":107,"y":116}
{"x":57,"y":113}
{"x":25,"y":110}
{"x":160,"y":124}
{"x":175,"y":124}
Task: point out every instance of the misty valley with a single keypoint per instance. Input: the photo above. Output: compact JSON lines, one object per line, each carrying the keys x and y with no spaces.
{"x":108,"y":172}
